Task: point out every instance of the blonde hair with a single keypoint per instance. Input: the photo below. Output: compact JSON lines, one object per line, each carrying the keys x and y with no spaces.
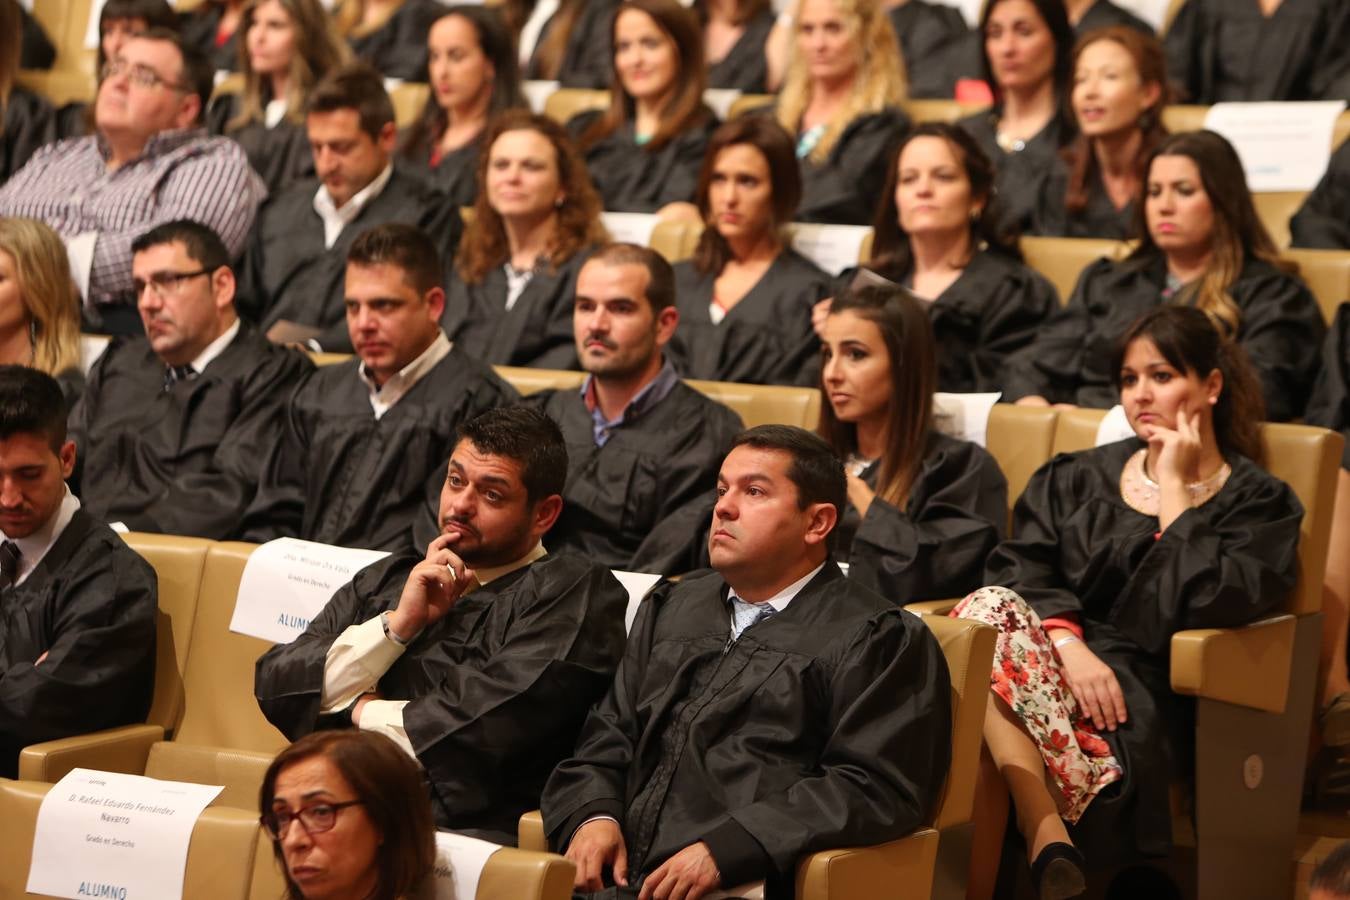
{"x":880,"y":81}
{"x":318,"y":49}
{"x":42,"y":270}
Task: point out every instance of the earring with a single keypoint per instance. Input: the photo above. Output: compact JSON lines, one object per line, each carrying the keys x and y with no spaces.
{"x":558,"y":204}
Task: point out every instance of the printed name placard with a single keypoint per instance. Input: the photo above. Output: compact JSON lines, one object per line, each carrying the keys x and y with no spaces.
{"x":832,"y":247}
{"x":630,"y":228}
{"x":459,"y":866}
{"x":637,"y":584}
{"x":1283,"y":146}
{"x":964,"y":416}
{"x":287,"y":582}
{"x":125,"y":837}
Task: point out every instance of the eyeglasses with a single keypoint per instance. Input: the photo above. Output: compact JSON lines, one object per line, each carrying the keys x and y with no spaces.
{"x":314,"y":819}
{"x":140,"y":75}
{"x":162,"y":284}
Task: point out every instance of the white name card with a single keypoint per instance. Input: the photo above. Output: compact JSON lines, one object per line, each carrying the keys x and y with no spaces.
{"x":287,"y":582}
{"x":1283,"y":146}
{"x":720,"y":100}
{"x":537,"y":93}
{"x":832,"y":247}
{"x":964,"y":416}
{"x":637,"y":584}
{"x":459,"y":866}
{"x":104,"y":834}
{"x":1115,"y":426}
{"x":91,"y":348}
{"x":630,"y":228}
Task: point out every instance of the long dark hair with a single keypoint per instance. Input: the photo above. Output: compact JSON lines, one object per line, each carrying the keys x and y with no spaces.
{"x":891,"y":253}
{"x":1057,"y":20}
{"x":908,"y":334}
{"x":1194,"y":344}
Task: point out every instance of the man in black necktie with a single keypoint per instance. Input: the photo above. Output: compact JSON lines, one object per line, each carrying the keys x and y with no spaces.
{"x":173,"y":425}
{"x":732,"y":742}
{"x":77,"y":638}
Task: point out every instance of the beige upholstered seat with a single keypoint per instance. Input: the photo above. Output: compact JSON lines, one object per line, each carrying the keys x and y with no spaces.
{"x":565,"y":103}
{"x":1327,"y":274}
{"x":1062,"y":260}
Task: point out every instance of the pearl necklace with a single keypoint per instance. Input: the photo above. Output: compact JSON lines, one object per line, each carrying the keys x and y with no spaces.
{"x":1144,"y":495}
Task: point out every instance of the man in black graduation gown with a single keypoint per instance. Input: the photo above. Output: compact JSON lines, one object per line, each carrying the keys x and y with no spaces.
{"x":643,"y":447}
{"x":171,"y":425}
{"x":77,"y":639}
{"x":294,"y":265}
{"x":765,"y":711}
{"x":480,"y":656}
{"x":363,"y":439}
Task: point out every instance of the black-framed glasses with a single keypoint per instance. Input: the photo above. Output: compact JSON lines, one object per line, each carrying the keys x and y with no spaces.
{"x":138,"y":74}
{"x":165,"y":283}
{"x":315,"y":819}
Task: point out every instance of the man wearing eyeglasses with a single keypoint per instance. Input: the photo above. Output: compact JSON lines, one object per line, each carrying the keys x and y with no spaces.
{"x":149,"y":162}
{"x":172,"y":425}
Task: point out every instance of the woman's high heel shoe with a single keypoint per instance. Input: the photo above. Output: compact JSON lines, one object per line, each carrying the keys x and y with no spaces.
{"x":1058,"y":872}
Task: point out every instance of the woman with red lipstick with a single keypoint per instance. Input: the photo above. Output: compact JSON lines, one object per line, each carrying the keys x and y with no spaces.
{"x":1118,"y":548}
{"x":1119,"y":91}
{"x":1027,"y":45}
{"x":745,"y":298}
{"x":349,"y":818}
{"x":644,"y":152}
{"x":473,"y":76}
{"x":1202,"y":245}
{"x":288,"y":46}
{"x":924,"y":509}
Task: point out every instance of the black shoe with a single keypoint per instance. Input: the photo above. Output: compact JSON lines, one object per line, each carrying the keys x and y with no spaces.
{"x":1057,"y":872}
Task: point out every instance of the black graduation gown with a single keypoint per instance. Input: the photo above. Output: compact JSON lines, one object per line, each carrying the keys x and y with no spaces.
{"x":499,"y":687}
{"x":287,"y":272}
{"x":90,"y":605}
{"x":280,"y":154}
{"x":29,"y":123}
{"x":535,"y":331}
{"x":825,"y":725}
{"x":766,"y":338}
{"x":588,"y":59}
{"x":36,"y":50}
{"x":630,"y":178}
{"x":1069,"y":361}
{"x":935,"y":547}
{"x":340,"y":476}
{"x":1079,"y":550}
{"x":198,"y":27}
{"x":1099,"y":219}
{"x":1329,"y":405}
{"x":642,"y":501}
{"x":1017,"y":176}
{"x":1226,"y":51}
{"x":994,"y":309}
{"x":745,"y":67}
{"x":1323,"y":221}
{"x":181,"y":461}
{"x":935,"y":43}
{"x":455,"y":174}
{"x":1104,"y":14}
{"x":398,"y":48}
{"x":845,"y":189}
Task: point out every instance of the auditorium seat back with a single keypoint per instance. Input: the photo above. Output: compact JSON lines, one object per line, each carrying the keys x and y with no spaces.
{"x":409,"y":98}
{"x":1020,"y":439}
{"x":950,"y":111}
{"x":65,"y":22}
{"x":1275,"y":209}
{"x":528,"y":381}
{"x":748,"y":103}
{"x":1327,"y":274}
{"x":1062,"y":260}
{"x":240,"y":772}
{"x":765,"y":404}
{"x":676,"y":241}
{"x":565,"y":103}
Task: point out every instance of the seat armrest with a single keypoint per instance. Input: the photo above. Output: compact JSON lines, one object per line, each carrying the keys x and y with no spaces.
{"x":531,"y":832}
{"x":932,"y":607}
{"x":1247,"y":666}
{"x":850,"y":873}
{"x":122,"y":749}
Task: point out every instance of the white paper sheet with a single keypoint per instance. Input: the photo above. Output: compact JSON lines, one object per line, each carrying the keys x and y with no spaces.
{"x":80,"y":252}
{"x":91,"y":35}
{"x":537,"y":93}
{"x":286,"y":582}
{"x":832,"y":247}
{"x":637,"y":584}
{"x":964,"y":416}
{"x":91,"y":348}
{"x":1283,"y":146}
{"x":104,"y":834}
{"x":459,"y":866}
{"x":632,"y":228}
{"x":1114,"y":426}
{"x":720,"y":99}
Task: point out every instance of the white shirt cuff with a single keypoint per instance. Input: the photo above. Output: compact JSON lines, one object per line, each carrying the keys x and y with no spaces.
{"x":355,"y":664}
{"x":386,"y":717}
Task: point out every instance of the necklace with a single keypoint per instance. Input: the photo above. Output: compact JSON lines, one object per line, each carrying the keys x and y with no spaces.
{"x":1009,"y":144}
{"x":1143,"y":495}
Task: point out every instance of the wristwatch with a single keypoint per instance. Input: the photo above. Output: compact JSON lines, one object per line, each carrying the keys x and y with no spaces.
{"x":389,"y":632}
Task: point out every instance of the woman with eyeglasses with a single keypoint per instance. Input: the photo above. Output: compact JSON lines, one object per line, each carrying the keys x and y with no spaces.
{"x":349,"y":817}
{"x":39,"y":310}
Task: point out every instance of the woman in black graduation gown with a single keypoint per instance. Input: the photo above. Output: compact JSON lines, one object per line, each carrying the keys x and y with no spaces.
{"x":1323,"y":221}
{"x":1027,"y":51}
{"x":924,"y":509}
{"x":391,"y":35}
{"x":1202,"y":245}
{"x":535,"y":222}
{"x":935,"y":235}
{"x":39,"y":310}
{"x":1231,"y":51}
{"x":574,"y":46}
{"x":745,"y":298}
{"x":214,"y":29}
{"x":288,"y":45}
{"x":26,"y":120}
{"x":1119,"y":91}
{"x":840,"y":99}
{"x":734,"y":35}
{"x":645,"y":151}
{"x":472,"y":72}
{"x":1116,"y":549}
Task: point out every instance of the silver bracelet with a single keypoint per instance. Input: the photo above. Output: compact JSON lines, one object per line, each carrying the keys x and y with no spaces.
{"x":1069,"y":639}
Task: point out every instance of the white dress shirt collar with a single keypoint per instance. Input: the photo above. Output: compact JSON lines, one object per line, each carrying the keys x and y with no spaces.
{"x":34,"y":547}
{"x":335,"y":219}
{"x":486,"y":575}
{"x":383,"y":397}
{"x":215,"y":348}
{"x":780,"y":600}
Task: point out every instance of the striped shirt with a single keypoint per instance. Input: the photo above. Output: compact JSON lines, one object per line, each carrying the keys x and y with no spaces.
{"x":181,"y":174}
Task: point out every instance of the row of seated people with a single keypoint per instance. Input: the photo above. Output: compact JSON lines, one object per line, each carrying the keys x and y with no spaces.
{"x":1097,"y":104}
{"x":530,"y":638}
